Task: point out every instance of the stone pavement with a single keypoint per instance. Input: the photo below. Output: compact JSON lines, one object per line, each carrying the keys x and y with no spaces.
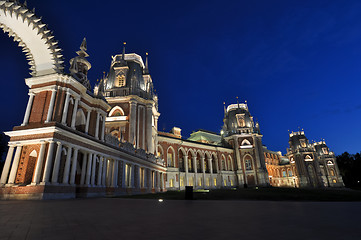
{"x":115,"y":218}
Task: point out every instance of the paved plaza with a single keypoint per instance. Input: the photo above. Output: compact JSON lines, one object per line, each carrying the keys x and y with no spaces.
{"x":116,"y":218}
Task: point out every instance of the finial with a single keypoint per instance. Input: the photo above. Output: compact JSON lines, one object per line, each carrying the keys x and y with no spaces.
{"x":146,"y":70}
{"x":224,"y":107}
{"x":237,"y":102}
{"x":25,"y":4}
{"x":123,"y":56}
{"x":103,"y":75}
{"x":83,"y":45}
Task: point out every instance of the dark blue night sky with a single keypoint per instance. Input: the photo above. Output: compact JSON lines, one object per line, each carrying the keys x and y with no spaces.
{"x":297,"y":63}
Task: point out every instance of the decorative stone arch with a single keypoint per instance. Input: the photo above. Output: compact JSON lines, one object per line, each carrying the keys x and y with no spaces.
{"x":248,"y":162}
{"x":115,"y":110}
{"x":170,"y":157}
{"x":41,"y":50}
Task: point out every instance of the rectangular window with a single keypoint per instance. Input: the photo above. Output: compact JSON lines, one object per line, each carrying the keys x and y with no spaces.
{"x":171,"y":183}
{"x":207,"y":182}
{"x":225,"y":182}
{"x":215,"y":182}
{"x":199,"y":182}
{"x":231,"y":182}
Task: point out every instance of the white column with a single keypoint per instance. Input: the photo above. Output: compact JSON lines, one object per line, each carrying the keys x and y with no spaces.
{"x":132,"y":170}
{"x":54,"y":178}
{"x":6,"y":169}
{"x":74,"y":165}
{"x":87,"y":121}
{"x":51,"y":106}
{"x":39,"y":164}
{"x":100,"y":175}
{"x":195,"y":179}
{"x":185,"y":161}
{"x":66,"y":107}
{"x":88,"y":170}
{"x":149,"y":131}
{"x":67,"y":166}
{"x":97,"y":126}
{"x":105,"y":166}
{"x":83,"y":169}
{"x":204,"y":172}
{"x":14,"y":167}
{"x":132,"y":121}
{"x":123,"y":175}
{"x":93,"y":169}
{"x":48,"y":162}
{"x":75,"y":110}
{"x":28,"y":109}
{"x":103,"y":128}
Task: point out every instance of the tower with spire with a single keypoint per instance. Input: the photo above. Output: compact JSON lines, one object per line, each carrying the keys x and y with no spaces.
{"x":128,"y":87}
{"x":79,"y":66}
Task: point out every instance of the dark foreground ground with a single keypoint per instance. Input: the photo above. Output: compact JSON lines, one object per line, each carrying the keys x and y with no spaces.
{"x":269,"y":194}
{"x":119,"y":218}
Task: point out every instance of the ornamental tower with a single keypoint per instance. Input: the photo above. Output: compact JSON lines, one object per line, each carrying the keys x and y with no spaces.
{"x":128,"y":88}
{"x":302,"y":153}
{"x":240,"y":131}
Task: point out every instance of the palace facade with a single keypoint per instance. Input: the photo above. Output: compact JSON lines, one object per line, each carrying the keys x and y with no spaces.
{"x":76,"y":141}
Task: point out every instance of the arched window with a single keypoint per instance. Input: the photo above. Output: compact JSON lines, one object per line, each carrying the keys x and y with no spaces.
{"x":160,"y":153}
{"x":224,"y":167}
{"x":248,"y":162}
{"x":170,"y":157}
{"x":181,"y":161}
{"x":116,"y":112}
{"x":199,"y":169}
{"x":290,"y":173}
{"x":214,"y":164}
{"x":332,"y":172}
{"x":80,"y":121}
{"x":230,"y":165}
{"x":245,"y":142}
{"x":190,"y":162}
{"x":284,"y":174}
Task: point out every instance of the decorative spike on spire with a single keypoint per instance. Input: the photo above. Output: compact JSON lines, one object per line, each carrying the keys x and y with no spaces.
{"x":123,"y":55}
{"x":146,"y":69}
{"x":25,"y":4}
{"x":224,"y":107}
{"x":83,"y":45}
{"x":237,"y":102}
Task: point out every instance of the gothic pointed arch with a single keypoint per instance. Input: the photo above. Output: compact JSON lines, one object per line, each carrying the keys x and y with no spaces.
{"x":40,"y":48}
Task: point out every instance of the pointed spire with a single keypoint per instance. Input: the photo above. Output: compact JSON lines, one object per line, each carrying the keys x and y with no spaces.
{"x":224,"y":107}
{"x":146,"y":69}
{"x":123,"y":55}
{"x":237,"y":102}
{"x":83,"y":45}
{"x":25,"y":4}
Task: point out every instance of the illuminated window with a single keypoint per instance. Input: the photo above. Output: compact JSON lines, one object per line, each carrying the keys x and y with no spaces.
{"x":171,"y":183}
{"x":120,"y":81}
{"x":225,"y":182}
{"x":332,"y":172}
{"x":182,"y":181}
{"x":284,"y":173}
{"x":231,"y":182}
{"x":334,"y":181}
{"x":128,"y":175}
{"x":190,"y":181}
{"x":170,"y":158}
{"x":199,"y":182}
{"x":215,"y":181}
{"x":208,"y":182}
